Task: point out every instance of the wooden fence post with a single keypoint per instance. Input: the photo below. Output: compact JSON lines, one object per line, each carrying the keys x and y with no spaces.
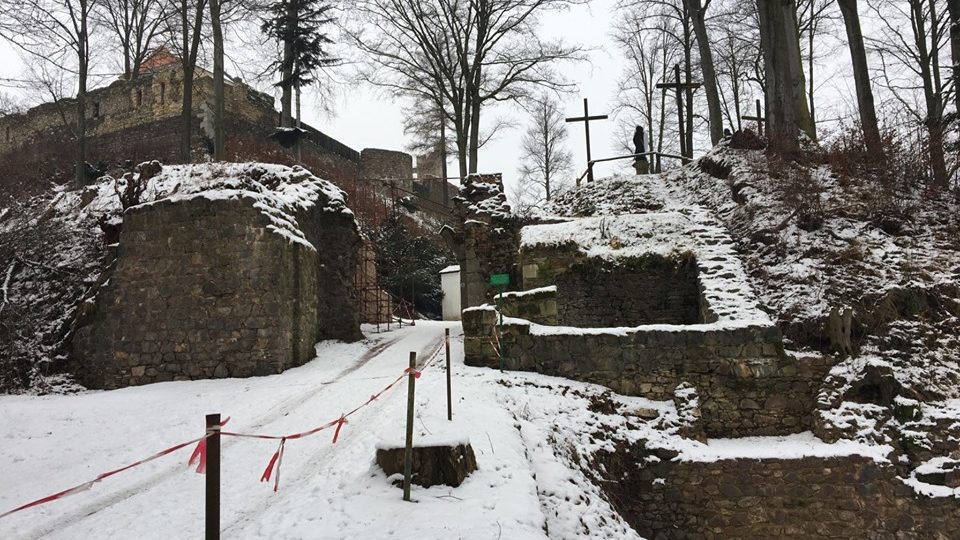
{"x":446,"y":341}
{"x":212,"y":525}
{"x":408,"y":453}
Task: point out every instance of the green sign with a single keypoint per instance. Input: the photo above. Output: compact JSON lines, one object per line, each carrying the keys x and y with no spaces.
{"x":501,"y":280}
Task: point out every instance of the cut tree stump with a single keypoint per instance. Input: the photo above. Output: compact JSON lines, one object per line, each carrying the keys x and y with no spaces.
{"x":432,"y":465}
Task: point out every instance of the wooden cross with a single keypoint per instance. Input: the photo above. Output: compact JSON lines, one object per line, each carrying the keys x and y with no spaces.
{"x":759,"y":118}
{"x":680,"y":87}
{"x":586,"y":118}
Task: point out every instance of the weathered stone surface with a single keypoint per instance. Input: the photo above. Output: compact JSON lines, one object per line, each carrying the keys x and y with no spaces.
{"x":746,"y":385}
{"x":432,"y":465}
{"x":207,"y":287}
{"x":836,"y":497}
{"x":593,"y":292}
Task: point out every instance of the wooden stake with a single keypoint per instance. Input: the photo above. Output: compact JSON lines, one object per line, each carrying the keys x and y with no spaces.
{"x":212,"y":521}
{"x":408,"y":453}
{"x":446,"y":334}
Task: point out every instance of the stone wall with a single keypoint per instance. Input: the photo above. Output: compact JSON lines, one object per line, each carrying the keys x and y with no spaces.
{"x":379,"y":163}
{"x":836,"y":497}
{"x":595,"y":293}
{"x":206,"y":288}
{"x":140,"y":121}
{"x":488,"y":239}
{"x":536,"y":305}
{"x":747,"y":385}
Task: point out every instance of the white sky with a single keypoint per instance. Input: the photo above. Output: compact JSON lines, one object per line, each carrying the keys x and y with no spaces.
{"x":367,"y":118}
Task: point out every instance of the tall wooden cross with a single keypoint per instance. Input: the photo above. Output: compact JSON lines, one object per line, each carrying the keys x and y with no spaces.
{"x":759,"y":118}
{"x":680,"y":87}
{"x":586,"y":118}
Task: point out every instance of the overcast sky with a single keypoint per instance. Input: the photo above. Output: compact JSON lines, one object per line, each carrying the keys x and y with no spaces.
{"x":367,"y":118}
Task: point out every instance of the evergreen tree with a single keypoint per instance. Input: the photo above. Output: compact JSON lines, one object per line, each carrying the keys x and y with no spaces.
{"x":409,"y":264}
{"x":298,"y":26}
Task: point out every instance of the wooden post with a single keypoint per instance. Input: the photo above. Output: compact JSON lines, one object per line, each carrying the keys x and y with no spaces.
{"x":212,"y":523}
{"x":446,"y":340}
{"x":408,"y":453}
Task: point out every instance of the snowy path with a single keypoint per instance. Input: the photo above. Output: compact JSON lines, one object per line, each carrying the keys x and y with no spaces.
{"x":327,"y":491}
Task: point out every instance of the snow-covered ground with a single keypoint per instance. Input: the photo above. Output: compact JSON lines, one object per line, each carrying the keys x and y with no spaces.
{"x":327,"y":490}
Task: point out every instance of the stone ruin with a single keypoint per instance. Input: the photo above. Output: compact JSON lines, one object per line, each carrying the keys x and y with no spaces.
{"x":657,"y":305}
{"x":602,"y":302}
{"x":237,"y":270}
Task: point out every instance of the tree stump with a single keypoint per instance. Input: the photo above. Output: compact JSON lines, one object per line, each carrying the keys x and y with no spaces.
{"x":839,"y":325}
{"x":432,"y":465}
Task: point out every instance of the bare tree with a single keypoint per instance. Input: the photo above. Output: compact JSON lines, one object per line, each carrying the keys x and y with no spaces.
{"x":953,"y":7}
{"x":56,"y":32}
{"x":786,"y":110}
{"x":543,"y":154}
{"x":462,"y":55}
{"x":185,"y":28}
{"x":698,"y":11}
{"x":815,"y":19}
{"x":912,"y":38}
{"x":650,"y":53}
{"x":861,"y":77}
{"x":216,"y":24}
{"x":673,"y":19}
{"x":135,"y":25}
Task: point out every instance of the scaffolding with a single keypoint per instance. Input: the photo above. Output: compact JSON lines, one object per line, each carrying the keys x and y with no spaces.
{"x":376,"y":305}
{"x":373,"y":201}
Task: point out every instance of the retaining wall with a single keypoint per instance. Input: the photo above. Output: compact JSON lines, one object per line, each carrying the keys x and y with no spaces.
{"x":747,"y":385}
{"x":812,"y":497}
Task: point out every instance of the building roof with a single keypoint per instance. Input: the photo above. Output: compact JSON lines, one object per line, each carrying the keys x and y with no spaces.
{"x":160,"y":57}
{"x":450,"y":269}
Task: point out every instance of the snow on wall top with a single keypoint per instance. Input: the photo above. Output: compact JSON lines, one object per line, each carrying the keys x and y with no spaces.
{"x":277,"y":191}
{"x":684,"y":229}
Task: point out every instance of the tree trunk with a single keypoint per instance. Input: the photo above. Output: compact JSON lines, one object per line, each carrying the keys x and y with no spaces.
{"x":953,"y":6}
{"x":286,"y":65}
{"x":707,"y":70}
{"x":80,"y":172}
{"x":688,"y":74}
{"x":83,"y":66}
{"x":785,"y":94}
{"x":932,"y":98}
{"x":218,"y":89}
{"x":186,"y":116}
{"x":861,"y":77}
{"x":474,"y":133}
{"x":813,"y":110}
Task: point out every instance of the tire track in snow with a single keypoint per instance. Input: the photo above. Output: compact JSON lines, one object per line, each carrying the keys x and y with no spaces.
{"x":320,"y":457}
{"x":167,"y":473}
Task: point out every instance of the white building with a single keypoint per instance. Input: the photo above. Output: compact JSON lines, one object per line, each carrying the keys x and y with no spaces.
{"x":450,"y":285}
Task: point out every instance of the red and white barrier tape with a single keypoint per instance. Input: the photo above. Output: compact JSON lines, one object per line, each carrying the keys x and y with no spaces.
{"x":199,"y":454}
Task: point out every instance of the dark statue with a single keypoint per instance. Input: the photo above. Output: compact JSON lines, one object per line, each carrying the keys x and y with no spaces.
{"x":639,"y":142}
{"x":641,"y":164}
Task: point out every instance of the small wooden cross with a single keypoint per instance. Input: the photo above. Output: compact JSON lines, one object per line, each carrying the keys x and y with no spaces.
{"x":680,"y":87}
{"x":586,"y":118}
{"x":759,"y":118}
